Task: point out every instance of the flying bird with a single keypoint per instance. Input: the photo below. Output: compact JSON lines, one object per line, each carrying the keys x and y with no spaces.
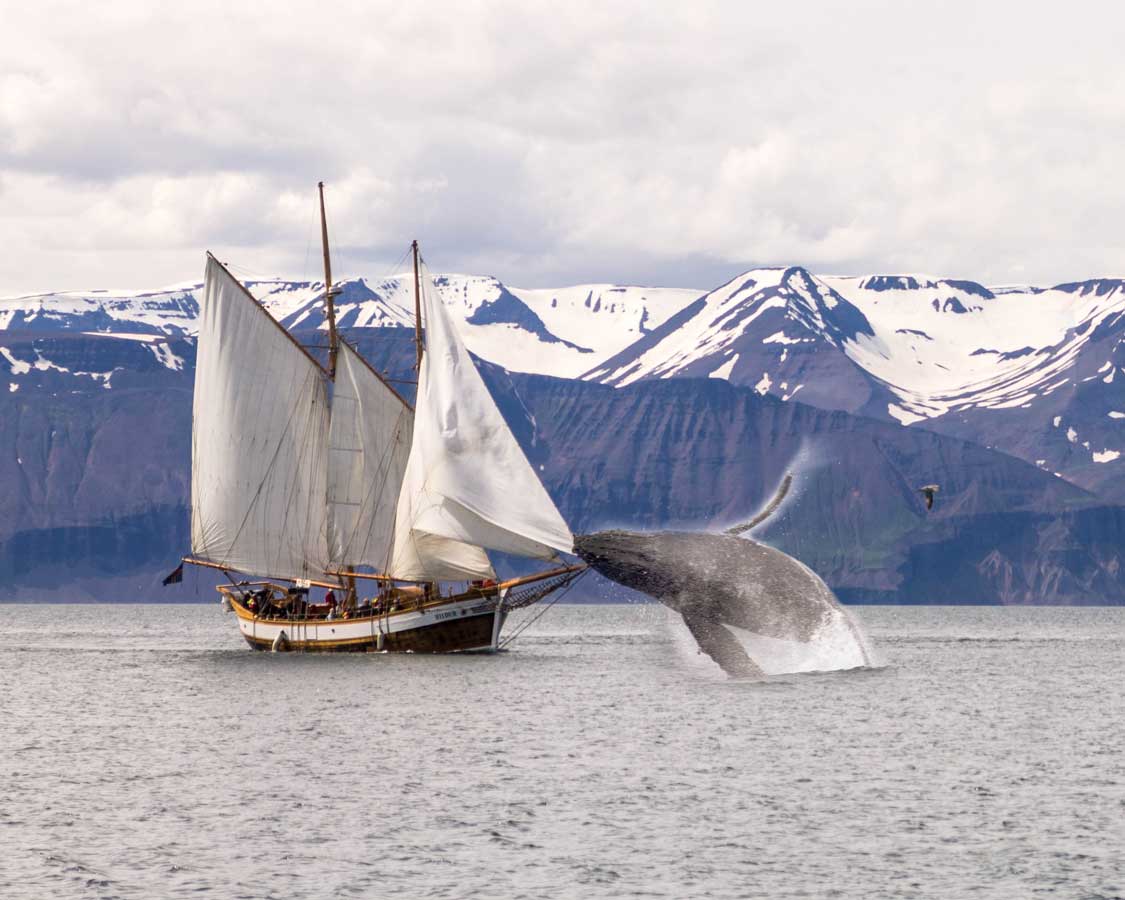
{"x":928,"y":492}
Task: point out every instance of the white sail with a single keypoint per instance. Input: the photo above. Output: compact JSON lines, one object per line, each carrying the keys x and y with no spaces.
{"x":467,"y":484}
{"x":368,"y":445}
{"x":259,"y":440}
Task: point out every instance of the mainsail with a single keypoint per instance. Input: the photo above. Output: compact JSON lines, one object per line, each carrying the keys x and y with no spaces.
{"x":368,"y":445}
{"x":259,"y":440}
{"x":468,"y":484}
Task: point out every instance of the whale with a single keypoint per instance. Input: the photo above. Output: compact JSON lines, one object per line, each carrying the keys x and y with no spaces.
{"x":722,"y":585}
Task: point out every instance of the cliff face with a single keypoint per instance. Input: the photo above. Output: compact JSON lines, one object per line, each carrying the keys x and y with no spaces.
{"x":95,"y":459}
{"x":704,"y":454}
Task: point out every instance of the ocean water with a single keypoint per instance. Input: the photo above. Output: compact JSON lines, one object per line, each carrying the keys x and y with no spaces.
{"x":148,"y":754}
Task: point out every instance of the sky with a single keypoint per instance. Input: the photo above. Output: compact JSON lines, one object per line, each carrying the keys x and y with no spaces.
{"x":558,"y":143}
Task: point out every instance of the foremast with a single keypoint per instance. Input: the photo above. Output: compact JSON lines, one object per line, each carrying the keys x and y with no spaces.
{"x":418,"y":344}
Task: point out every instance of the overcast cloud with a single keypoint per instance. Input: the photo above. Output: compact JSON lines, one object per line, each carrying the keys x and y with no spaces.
{"x":551,"y":143}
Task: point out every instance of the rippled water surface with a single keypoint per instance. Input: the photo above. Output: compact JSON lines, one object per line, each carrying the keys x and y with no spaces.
{"x":148,"y":753}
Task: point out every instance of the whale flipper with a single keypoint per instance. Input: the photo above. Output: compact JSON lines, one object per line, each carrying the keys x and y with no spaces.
{"x":723,"y":647}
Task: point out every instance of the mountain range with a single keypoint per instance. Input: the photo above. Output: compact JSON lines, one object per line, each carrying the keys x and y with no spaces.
{"x":643,"y":407}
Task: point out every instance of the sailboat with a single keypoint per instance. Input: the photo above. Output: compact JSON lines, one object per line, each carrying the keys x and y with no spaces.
{"x":310,"y":477}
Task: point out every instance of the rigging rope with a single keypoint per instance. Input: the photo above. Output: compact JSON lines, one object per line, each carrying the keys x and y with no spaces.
{"x":515,"y":634}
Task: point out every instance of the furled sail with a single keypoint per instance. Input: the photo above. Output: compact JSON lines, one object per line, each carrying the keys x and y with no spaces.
{"x":368,"y":445}
{"x":468,"y":484}
{"x":259,"y":440}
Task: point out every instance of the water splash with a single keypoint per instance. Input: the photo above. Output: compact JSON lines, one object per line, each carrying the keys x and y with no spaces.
{"x":840,"y":643}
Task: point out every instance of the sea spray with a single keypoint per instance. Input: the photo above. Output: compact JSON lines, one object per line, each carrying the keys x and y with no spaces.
{"x":839,"y":644}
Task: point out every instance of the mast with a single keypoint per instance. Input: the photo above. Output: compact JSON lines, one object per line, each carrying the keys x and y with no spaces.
{"x":417,"y":309}
{"x":329,"y":306}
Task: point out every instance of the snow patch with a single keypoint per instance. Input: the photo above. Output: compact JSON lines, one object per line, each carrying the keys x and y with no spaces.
{"x":763,"y":386}
{"x":125,"y":336}
{"x":1072,"y":435}
{"x":779,"y":337}
{"x":166,"y":357}
{"x":725,"y":369}
{"x":1117,"y":415}
{"x":1106,"y":456}
{"x":1021,"y":400}
{"x":18,"y":366}
{"x":904,"y":416}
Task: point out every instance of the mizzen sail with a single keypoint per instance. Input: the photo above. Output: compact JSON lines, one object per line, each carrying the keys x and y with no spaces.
{"x":468,"y":484}
{"x":259,"y":440}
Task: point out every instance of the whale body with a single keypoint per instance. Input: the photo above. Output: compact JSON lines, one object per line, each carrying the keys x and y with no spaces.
{"x":718,"y":582}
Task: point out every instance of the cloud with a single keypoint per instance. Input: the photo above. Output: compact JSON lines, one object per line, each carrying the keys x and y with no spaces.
{"x":549,"y":142}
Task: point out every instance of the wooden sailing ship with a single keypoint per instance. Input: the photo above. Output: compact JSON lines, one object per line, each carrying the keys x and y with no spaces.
{"x":309,"y":477}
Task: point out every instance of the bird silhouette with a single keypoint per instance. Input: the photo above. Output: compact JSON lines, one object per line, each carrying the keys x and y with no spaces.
{"x":928,"y":492}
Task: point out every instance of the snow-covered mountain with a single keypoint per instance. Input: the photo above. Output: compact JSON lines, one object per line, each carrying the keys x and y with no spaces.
{"x":782,"y":331}
{"x":936,"y":345}
{"x":675,"y":407}
{"x":946,"y":346}
{"x":1037,"y":372}
{"x":561,"y":332}
{"x":1034,"y":371}
{"x":172,"y":310}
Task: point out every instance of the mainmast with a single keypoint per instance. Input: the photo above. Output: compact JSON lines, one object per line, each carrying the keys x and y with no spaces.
{"x":329,"y":305}
{"x":417,"y":308}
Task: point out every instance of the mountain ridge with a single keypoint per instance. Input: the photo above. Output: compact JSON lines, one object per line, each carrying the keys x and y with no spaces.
{"x":1036,"y":375}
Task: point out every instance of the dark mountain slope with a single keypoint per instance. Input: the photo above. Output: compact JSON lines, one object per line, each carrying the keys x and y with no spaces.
{"x":701,"y":453}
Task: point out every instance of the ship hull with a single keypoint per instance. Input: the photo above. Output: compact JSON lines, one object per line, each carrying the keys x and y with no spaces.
{"x":457,"y":626}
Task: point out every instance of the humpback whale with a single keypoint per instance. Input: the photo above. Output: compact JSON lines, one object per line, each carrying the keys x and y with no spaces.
{"x":722,"y":585}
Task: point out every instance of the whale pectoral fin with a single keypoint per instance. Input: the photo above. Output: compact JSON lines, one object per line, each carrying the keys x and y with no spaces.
{"x":722,"y":646}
